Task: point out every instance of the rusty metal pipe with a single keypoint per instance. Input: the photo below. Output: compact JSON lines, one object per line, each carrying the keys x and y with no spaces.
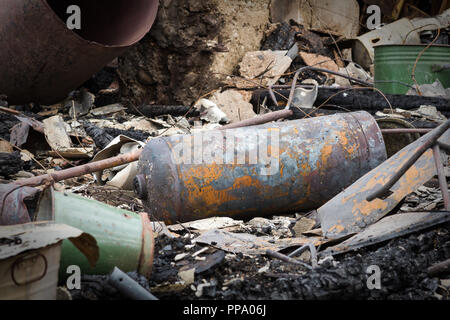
{"x":439,"y":268}
{"x":81,"y":170}
{"x":128,"y":286}
{"x":406,"y":130}
{"x":41,"y":60}
{"x":286,"y":258}
{"x":279,"y":167}
{"x":261,"y":119}
{"x":432,"y":138}
{"x":441,"y":176}
{"x":444,"y":146}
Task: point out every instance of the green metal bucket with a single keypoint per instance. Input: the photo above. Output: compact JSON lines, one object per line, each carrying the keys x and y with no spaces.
{"x":125,"y":239}
{"x":396,"y":62}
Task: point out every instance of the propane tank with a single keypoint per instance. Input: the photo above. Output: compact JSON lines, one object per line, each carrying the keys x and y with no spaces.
{"x":275,"y":168}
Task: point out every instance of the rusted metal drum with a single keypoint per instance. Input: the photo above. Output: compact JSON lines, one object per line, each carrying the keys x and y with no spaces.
{"x":275,"y":168}
{"x":41,"y":60}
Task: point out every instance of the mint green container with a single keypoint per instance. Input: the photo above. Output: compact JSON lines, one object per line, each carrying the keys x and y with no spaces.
{"x":396,"y":62}
{"x":125,"y":239}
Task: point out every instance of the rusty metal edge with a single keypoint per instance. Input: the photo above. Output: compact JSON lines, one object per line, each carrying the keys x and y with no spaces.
{"x":95,"y":43}
{"x":145,"y":265}
{"x":445,"y":217}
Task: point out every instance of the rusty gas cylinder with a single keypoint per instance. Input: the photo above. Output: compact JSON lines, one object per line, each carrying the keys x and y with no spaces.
{"x":275,"y":168}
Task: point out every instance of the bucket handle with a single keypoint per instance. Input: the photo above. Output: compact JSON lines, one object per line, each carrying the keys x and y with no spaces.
{"x":25,"y":258}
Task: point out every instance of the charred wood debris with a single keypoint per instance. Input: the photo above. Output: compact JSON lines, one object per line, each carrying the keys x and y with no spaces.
{"x":231,"y":233}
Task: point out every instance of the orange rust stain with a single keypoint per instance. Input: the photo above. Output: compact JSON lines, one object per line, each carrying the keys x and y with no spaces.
{"x":305,"y":166}
{"x":337,"y":227}
{"x":303,"y":200}
{"x":207,"y":173}
{"x":366,"y":208}
{"x":206,"y":193}
{"x":413,"y":178}
{"x":346,"y":145}
{"x":289,"y":152}
{"x":246,"y":181}
{"x":325,"y":155}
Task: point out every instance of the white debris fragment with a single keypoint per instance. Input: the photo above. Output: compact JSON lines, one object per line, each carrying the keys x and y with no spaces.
{"x":435,"y":89}
{"x":200,"y":251}
{"x":180,"y":256}
{"x":210,"y":112}
{"x":265,"y":268}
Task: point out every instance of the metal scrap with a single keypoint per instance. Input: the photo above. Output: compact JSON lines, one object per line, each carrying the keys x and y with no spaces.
{"x":13,"y":209}
{"x":128,"y":287}
{"x":250,"y":244}
{"x":359,"y":205}
{"x":389,"y":228}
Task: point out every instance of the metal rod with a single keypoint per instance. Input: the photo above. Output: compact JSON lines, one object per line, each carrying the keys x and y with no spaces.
{"x":261,"y":119}
{"x":272,"y":95}
{"x":294,"y":83}
{"x":10,"y":111}
{"x":298,"y":251}
{"x":406,"y":130}
{"x":312,"y":250}
{"x":368,"y":84}
{"x":433,"y":136}
{"x":287,"y":259}
{"x":128,"y":287}
{"x":441,"y":176}
{"x":81,"y":170}
{"x":444,"y":146}
{"x":439,"y":268}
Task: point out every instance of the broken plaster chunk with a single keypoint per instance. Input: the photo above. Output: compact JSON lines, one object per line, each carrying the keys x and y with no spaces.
{"x":188,"y":276}
{"x":435,"y":89}
{"x":355,"y":71}
{"x":303,"y":225}
{"x":56,"y":133}
{"x":262,"y":68}
{"x":234,"y":105}
{"x":319,"y":61}
{"x":431,"y":113}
